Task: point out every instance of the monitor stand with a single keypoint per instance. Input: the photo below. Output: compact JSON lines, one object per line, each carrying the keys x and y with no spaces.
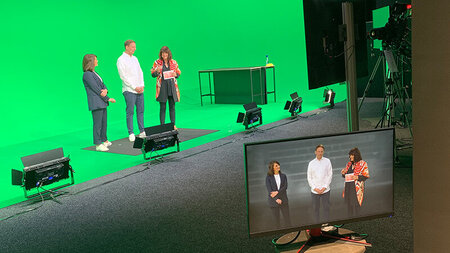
{"x":340,"y":238}
{"x":317,"y":236}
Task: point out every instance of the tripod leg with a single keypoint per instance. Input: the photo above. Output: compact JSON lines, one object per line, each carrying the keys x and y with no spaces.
{"x":399,"y":90}
{"x":386,"y":119}
{"x":370,"y":81}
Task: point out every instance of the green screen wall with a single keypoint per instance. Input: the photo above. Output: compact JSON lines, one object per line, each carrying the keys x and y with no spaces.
{"x":44,"y":43}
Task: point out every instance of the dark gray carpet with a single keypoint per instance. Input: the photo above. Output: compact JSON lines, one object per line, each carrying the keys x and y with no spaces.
{"x":125,"y":147}
{"x":193,"y":202}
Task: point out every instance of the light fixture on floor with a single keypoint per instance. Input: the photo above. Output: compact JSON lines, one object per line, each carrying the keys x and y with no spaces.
{"x":329,"y":95}
{"x":252,"y":115}
{"x":158,"y":138}
{"x":43,"y":169}
{"x":294,"y":106}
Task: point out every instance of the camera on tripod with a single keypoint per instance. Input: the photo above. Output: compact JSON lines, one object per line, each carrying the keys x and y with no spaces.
{"x":395,"y":61}
{"x":395,"y":34}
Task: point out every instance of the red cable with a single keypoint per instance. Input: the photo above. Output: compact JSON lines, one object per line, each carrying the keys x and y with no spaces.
{"x":307,"y":231}
{"x":350,"y":240}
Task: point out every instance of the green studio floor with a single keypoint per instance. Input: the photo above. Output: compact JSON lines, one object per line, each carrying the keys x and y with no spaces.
{"x":89,"y":165}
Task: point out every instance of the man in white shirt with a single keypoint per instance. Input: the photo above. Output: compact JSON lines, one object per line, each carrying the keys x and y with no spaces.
{"x":320,"y":173}
{"x":132,"y":87}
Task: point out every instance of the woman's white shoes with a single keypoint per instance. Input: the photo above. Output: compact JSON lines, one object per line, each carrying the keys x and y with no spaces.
{"x":101,"y":147}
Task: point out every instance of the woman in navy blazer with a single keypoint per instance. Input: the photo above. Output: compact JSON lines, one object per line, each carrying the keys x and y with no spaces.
{"x":276,"y":184}
{"x":97,"y":101}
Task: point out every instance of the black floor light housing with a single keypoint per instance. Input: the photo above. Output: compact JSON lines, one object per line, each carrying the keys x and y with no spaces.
{"x":329,"y":95}
{"x":252,"y":115}
{"x":41,"y":169}
{"x":294,"y":106}
{"x":158,"y":138}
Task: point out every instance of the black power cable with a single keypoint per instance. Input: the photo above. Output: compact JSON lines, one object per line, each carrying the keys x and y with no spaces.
{"x":27,"y":210}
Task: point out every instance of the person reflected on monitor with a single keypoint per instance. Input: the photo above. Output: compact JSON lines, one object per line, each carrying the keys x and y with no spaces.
{"x":355,"y":174}
{"x":166,"y":71}
{"x":320,"y":173}
{"x":276,"y":184}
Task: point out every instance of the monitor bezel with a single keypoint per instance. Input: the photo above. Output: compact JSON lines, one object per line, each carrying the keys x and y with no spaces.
{"x":343,"y":221}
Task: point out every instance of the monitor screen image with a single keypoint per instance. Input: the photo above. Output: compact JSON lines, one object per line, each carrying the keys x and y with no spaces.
{"x":300,"y":183}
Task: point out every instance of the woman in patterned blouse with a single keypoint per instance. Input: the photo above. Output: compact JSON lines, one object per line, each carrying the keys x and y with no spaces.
{"x":355,"y":173}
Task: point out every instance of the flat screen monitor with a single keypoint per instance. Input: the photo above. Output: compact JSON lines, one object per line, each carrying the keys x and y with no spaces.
{"x":343,"y":198}
{"x":324,"y":35}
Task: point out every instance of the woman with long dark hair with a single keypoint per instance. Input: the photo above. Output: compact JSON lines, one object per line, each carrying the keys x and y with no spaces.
{"x":355,"y":173}
{"x":98,"y":101}
{"x":276,"y":184}
{"x":166,"y":71}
